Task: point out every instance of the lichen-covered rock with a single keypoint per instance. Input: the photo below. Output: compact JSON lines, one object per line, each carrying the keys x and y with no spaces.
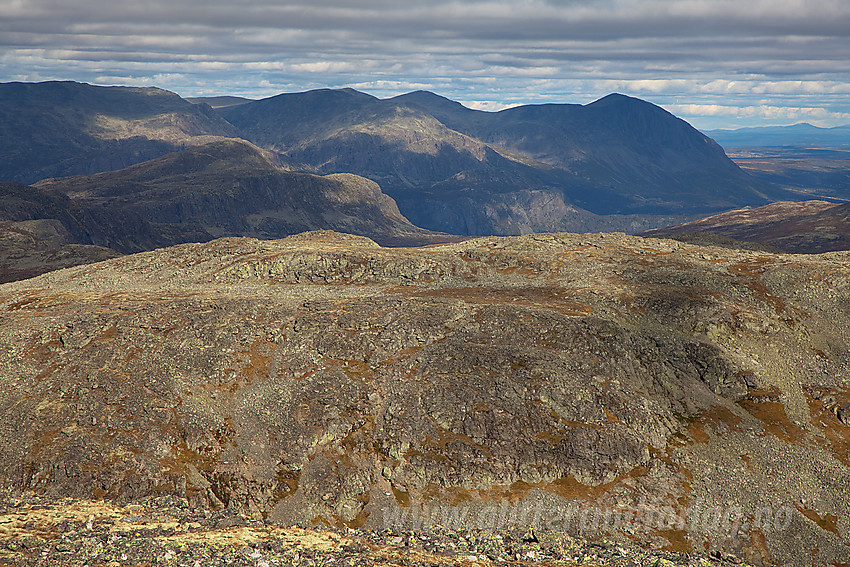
{"x":497,"y":381}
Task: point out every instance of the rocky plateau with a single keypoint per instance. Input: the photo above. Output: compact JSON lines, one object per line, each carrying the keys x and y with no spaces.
{"x":634,"y":391}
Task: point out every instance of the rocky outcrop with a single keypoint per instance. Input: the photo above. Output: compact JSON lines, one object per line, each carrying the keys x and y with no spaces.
{"x":545,"y":380}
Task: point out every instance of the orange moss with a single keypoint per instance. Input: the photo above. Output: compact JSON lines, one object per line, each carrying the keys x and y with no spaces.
{"x":678,"y":539}
{"x":568,"y":487}
{"x":775,"y":420}
{"x":713,"y":417}
{"x":446,"y":437}
{"x":402,"y":497}
{"x":755,"y":551}
{"x":826,"y":522}
{"x":289,"y":479}
{"x":698,"y":433}
{"x":258,"y":364}
{"x":106,"y":336}
{"x":836,"y":433}
{"x":184,"y":456}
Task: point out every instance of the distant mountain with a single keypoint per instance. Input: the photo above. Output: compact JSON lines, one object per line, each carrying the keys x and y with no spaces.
{"x":616,"y":164}
{"x":471,"y":172}
{"x":807,"y":227}
{"x":798,"y":135}
{"x":63,"y":128}
{"x":232,"y":188}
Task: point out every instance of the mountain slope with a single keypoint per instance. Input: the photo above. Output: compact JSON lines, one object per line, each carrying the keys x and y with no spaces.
{"x":231,"y":188}
{"x":445,"y":164}
{"x":103,"y":225}
{"x":641,"y":155}
{"x":697,"y":394}
{"x":31,"y":248}
{"x":807,"y":227}
{"x":64,"y":128}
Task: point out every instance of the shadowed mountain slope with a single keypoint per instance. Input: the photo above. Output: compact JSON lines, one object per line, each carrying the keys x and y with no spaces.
{"x":64,"y":128}
{"x":226,"y":188}
{"x":231,"y":188}
{"x":324,"y":378}
{"x":639,"y":152}
{"x":103,"y":225}
{"x":807,"y":227}
{"x":464,"y":171}
{"x":30,"y":248}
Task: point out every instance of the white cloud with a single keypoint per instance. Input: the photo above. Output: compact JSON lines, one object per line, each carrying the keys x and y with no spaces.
{"x":488,"y":105}
{"x":724,"y":53}
{"x":767,"y":113}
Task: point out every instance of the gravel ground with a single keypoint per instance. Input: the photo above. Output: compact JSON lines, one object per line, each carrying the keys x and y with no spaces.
{"x":167,"y":531}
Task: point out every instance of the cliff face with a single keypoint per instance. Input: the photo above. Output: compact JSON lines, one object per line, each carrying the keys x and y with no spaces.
{"x":324,"y":378}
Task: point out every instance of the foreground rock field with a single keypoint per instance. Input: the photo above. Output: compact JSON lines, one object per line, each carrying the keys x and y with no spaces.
{"x":644,"y":393}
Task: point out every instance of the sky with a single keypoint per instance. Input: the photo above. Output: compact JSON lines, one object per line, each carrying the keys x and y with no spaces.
{"x":715,"y":63}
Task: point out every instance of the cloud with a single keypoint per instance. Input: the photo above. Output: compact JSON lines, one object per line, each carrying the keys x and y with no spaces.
{"x":492,"y":53}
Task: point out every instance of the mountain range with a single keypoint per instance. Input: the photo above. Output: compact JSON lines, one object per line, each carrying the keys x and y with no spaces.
{"x":525,"y":169}
{"x":56,"y":129}
{"x":616,"y":164}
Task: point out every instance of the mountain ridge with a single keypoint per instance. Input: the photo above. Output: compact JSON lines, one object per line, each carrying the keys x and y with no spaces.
{"x":797,"y":135}
{"x":60,"y":128}
{"x":618,"y":155}
{"x":233,"y":188}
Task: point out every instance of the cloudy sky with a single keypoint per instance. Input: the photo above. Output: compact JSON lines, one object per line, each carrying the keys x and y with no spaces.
{"x":716,"y":63}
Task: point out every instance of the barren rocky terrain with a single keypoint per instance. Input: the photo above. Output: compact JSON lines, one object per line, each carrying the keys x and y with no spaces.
{"x":806,"y":227}
{"x":167,"y":531}
{"x":688,"y":400}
